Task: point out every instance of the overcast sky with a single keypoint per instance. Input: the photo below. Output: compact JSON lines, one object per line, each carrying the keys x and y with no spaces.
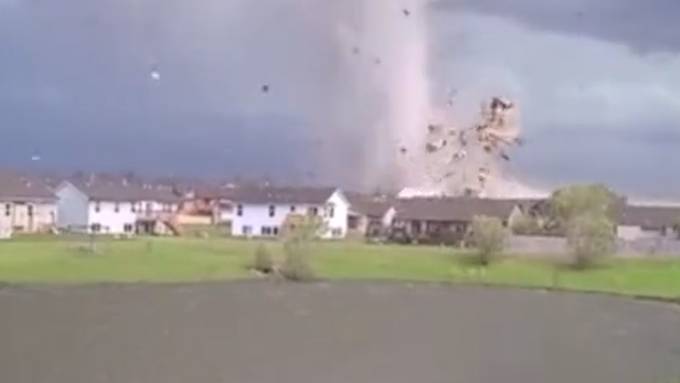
{"x":598,"y":82}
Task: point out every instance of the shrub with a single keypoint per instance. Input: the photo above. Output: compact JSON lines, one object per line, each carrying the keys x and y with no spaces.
{"x":487,"y":235}
{"x":590,"y":236}
{"x":526,"y":225}
{"x":296,"y":266}
{"x":263,"y":259}
{"x":297,"y":249}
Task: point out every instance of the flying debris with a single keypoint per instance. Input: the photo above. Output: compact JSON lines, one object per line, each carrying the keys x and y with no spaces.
{"x":435,"y":146}
{"x":155,"y":74}
{"x":460,"y":155}
{"x":406,"y":12}
{"x":356,"y":50}
{"x":377,"y":61}
{"x":467,"y":158}
{"x":35,"y":157}
{"x":403,"y":150}
{"x":434,"y":128}
{"x":265,"y":88}
{"x":462,"y":138}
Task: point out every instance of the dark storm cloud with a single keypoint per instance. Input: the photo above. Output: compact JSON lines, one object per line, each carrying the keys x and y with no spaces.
{"x":76,"y":85}
{"x":643,"y":25}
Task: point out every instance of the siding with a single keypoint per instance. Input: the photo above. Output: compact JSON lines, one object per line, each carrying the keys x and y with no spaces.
{"x":111,"y":222}
{"x":71,"y":208}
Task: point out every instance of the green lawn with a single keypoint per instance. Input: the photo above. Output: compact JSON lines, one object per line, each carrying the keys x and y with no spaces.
{"x":67,"y":260}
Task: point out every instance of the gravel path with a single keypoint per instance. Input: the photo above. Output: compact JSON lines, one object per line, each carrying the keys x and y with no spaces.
{"x":263,"y":332}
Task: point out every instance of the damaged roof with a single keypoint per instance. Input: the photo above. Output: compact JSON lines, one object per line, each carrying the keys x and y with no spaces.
{"x":649,"y":217}
{"x":369,"y":205}
{"x":14,"y":187}
{"x":452,"y":209}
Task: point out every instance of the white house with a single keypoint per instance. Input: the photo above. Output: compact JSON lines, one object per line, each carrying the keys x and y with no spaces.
{"x":26,"y":205}
{"x":262,"y":212}
{"x":115,"y":208}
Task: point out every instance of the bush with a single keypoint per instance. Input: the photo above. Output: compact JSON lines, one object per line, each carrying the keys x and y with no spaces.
{"x":526,"y":225}
{"x":263,"y":260}
{"x":298,"y":247}
{"x":487,"y":235}
{"x":590,"y":236}
{"x":296,"y":266}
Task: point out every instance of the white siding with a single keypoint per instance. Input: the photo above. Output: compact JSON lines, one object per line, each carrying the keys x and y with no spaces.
{"x":71,"y":207}
{"x":110,"y":220}
{"x":337,"y":224}
{"x":256,"y":216}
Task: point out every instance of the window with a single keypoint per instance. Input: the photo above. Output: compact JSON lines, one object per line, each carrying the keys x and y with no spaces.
{"x":127,"y":228}
{"x":8,"y":210}
{"x":116,"y":207}
{"x":336,"y":233}
{"x":29,"y":210}
{"x":246,"y":230}
{"x":272,"y":210}
{"x":266,"y":231}
{"x":239,"y":210}
{"x":149,"y":207}
{"x":292,"y":208}
{"x":133,"y":208}
{"x":96,"y":227}
{"x":331,"y":210}
{"x":275,"y":230}
{"x":97,"y":207}
{"x":313,"y":211}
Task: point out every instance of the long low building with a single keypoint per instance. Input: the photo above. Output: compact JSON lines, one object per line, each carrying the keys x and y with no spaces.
{"x":446,"y":220}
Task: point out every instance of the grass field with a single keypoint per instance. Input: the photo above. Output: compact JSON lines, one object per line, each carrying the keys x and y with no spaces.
{"x":68,"y":260}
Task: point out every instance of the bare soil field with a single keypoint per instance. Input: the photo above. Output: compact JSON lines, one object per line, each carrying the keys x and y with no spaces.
{"x":335,"y":332}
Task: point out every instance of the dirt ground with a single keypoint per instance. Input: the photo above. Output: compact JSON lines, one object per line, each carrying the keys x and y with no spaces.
{"x":332,"y":333}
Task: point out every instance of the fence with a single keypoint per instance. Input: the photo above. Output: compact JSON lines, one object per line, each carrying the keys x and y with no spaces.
{"x":557,"y":246}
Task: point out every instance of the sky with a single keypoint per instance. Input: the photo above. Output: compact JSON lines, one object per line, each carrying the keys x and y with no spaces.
{"x":597,"y":81}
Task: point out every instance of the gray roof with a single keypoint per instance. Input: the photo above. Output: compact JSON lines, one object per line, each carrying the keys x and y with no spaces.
{"x":127,"y":192}
{"x":282,"y":195}
{"x":459,"y":209}
{"x":369,"y":205}
{"x":649,"y":217}
{"x":14,"y":187}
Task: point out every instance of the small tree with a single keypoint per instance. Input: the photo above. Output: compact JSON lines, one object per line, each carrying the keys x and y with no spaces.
{"x":526,"y":225}
{"x":263,"y":261}
{"x":298,"y":248}
{"x":590,"y":236}
{"x":573,"y":201}
{"x":487,"y":235}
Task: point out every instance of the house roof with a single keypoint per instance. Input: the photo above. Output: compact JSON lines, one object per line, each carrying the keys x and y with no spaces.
{"x":458,"y":209}
{"x":282,"y":195}
{"x":651,"y":217}
{"x":369,"y":205}
{"x":126,"y":192}
{"x":14,"y":187}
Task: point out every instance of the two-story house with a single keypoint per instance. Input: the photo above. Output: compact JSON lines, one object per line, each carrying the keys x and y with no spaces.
{"x":27,"y":205}
{"x":263,"y":211}
{"x":117,"y":208}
